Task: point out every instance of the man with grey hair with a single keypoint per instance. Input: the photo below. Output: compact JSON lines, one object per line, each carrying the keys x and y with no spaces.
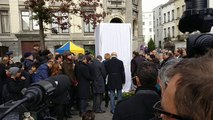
{"x":163,"y":72}
{"x":116,"y":78}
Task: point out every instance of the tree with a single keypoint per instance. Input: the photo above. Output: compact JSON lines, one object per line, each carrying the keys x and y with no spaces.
{"x":151,"y":45}
{"x":44,"y":11}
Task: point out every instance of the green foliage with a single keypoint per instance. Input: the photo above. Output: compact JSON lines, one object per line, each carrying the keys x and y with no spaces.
{"x":151,"y":44}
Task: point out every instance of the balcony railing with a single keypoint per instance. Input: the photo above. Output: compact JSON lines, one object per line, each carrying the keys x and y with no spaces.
{"x":116,"y":3}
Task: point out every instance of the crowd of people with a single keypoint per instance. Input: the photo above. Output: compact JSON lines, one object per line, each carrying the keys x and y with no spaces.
{"x":160,"y":75}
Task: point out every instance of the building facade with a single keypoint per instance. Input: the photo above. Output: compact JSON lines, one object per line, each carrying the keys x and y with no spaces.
{"x":170,"y":14}
{"x":148,"y":32}
{"x":180,"y":38}
{"x":18,"y":33}
{"x":158,"y":26}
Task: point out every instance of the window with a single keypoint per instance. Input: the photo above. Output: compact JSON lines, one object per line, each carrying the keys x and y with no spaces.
{"x":157,"y":32}
{"x":35,"y":24}
{"x":143,"y":23}
{"x":116,"y":2}
{"x":159,"y":12}
{"x":27,"y":23}
{"x":169,"y":32}
{"x":164,"y":17}
{"x":4,"y":20}
{"x":135,"y":2}
{"x":159,"y":42}
{"x":56,"y":24}
{"x":150,"y":29}
{"x":173,"y":31}
{"x":168,"y":16}
{"x":154,"y":24}
{"x":178,"y":13}
{"x":173,"y":15}
{"x":157,"y":22}
{"x":150,"y":23}
{"x":164,"y":32}
{"x":25,"y":17}
{"x":183,"y":8}
{"x":88,"y":27}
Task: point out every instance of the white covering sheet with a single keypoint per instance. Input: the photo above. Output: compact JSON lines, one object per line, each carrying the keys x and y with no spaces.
{"x":115,"y":37}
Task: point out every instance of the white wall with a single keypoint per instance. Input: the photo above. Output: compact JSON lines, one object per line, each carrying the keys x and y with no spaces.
{"x":148,"y":24}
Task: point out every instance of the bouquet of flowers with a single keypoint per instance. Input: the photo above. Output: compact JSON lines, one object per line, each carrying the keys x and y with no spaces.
{"x":126,"y":95}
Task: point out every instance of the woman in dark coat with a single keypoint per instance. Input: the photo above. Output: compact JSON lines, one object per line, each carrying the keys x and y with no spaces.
{"x":83,"y":78}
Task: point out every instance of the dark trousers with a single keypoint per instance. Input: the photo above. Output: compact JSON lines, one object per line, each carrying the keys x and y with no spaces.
{"x":83,"y":106}
{"x":97,"y":100}
{"x":106,"y":97}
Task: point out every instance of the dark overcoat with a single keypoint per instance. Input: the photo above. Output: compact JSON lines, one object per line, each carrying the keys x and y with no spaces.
{"x":83,"y":77}
{"x":98,"y":77}
{"x":137,"y":107}
{"x":116,"y":74}
{"x":68,"y":69}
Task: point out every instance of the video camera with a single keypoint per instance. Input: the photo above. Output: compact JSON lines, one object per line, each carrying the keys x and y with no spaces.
{"x":197,"y":17}
{"x":37,"y":97}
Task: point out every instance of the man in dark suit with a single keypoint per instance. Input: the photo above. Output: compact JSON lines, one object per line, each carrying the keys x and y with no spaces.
{"x":116,"y":78}
{"x":83,"y":77}
{"x":98,"y":84}
{"x":140,"y":106}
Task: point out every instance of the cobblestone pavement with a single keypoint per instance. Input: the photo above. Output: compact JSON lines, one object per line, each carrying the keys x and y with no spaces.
{"x":98,"y":116}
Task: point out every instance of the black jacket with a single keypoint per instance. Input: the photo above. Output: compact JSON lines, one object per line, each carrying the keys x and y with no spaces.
{"x":2,"y":79}
{"x":12,"y":89}
{"x":116,"y":74}
{"x":137,"y":107}
{"x":61,"y":96}
{"x":98,"y":76}
{"x":83,"y":77}
{"x":135,"y":62}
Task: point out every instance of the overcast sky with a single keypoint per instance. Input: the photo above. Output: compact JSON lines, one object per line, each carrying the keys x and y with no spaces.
{"x":148,"y":5}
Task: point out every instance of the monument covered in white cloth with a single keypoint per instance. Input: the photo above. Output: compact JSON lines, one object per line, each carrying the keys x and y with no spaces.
{"x":116,"y":37}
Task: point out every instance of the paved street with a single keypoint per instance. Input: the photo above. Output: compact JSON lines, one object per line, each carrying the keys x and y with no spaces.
{"x":98,"y":116}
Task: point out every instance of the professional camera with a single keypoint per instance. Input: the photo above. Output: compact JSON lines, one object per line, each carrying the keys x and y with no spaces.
{"x":197,"y":17}
{"x":37,"y":97}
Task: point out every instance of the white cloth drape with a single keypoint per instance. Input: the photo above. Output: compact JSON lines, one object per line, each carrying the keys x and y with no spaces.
{"x":115,"y":37}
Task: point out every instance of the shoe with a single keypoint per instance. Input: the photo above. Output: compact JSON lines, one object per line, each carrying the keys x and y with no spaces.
{"x":101,"y":111}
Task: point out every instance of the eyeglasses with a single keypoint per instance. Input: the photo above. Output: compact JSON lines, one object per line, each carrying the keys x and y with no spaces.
{"x":159,"y":110}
